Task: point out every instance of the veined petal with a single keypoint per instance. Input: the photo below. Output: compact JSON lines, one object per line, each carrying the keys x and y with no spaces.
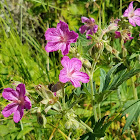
{"x":9,"y":109}
{"x":10,"y":94}
{"x":21,"y":90}
{"x":63,"y":26}
{"x":75,"y":64}
{"x":89,"y":32}
{"x":72,"y":37}
{"x":137,"y":12}
{"x":27,"y":103}
{"x":125,"y":14}
{"x":92,"y":19}
{"x":65,"y":48}
{"x":52,"y":34}
{"x":18,"y":114}
{"x":85,"y":19}
{"x":132,"y":22}
{"x":75,"y":83}
{"x":83,"y":28}
{"x":130,"y":8}
{"x":81,"y":76}
{"x":137,"y":20}
{"x":95,"y":28}
{"x":65,"y":61}
{"x":53,"y":46}
{"x":63,"y":76}
{"x":117,"y":34}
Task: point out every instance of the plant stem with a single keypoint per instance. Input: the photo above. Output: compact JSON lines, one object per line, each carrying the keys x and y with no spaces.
{"x":99,"y":109}
{"x":22,"y":128}
{"x":21,"y":1}
{"x":120,"y":10}
{"x":103,"y":12}
{"x":134,"y":89}
{"x":63,"y":99}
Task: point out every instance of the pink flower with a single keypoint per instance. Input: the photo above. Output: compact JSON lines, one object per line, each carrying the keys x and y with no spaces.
{"x":126,"y":36}
{"x":71,"y":72}
{"x":59,"y":38}
{"x":133,"y":15}
{"x":89,"y":26}
{"x":19,"y":102}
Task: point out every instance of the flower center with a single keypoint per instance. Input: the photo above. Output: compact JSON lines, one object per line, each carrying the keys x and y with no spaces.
{"x":63,"y":39}
{"x":69,"y":74}
{"x":131,"y":14}
{"x":90,"y":24}
{"x":20,"y":102}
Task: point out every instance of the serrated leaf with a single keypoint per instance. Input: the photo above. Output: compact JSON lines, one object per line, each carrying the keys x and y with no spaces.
{"x":132,"y":108}
{"x":108,"y":76}
{"x":98,"y":131}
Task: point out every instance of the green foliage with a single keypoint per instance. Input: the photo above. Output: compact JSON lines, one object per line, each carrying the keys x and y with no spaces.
{"x":98,"y":131}
{"x":132,"y":109}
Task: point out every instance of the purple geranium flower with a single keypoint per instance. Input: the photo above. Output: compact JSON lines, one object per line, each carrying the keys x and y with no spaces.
{"x":19,"y":102}
{"x":125,"y":37}
{"x":71,"y":72}
{"x":59,"y":38}
{"x":89,"y":26}
{"x":133,"y":15}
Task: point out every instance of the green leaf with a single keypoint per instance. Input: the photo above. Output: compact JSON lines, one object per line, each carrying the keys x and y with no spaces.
{"x":108,"y":76}
{"x":23,"y":132}
{"x":132,"y":108}
{"x":98,"y":131}
{"x":4,"y":130}
{"x":102,"y":79}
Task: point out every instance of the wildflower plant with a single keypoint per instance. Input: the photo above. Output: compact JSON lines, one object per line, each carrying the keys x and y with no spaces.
{"x":75,"y":96}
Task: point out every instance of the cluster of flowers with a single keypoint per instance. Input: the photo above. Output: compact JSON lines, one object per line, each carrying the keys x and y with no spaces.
{"x":59,"y":38}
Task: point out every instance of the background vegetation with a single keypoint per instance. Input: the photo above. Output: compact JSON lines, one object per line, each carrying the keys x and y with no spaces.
{"x":24,"y":59}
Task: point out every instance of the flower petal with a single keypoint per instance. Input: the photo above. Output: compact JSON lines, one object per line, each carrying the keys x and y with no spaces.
{"x":89,"y":32}
{"x":83,"y":28}
{"x":27,"y":103}
{"x":53,"y":46}
{"x":21,"y":90}
{"x":10,"y":94}
{"x":52,"y":34}
{"x":125,"y":14}
{"x":75,"y":64}
{"x":65,"y":48}
{"x":63,"y":76}
{"x":137,"y":20}
{"x":137,"y":12}
{"x":9,"y":109}
{"x":65,"y":61}
{"x":75,"y":83}
{"x":128,"y":10}
{"x":132,"y":22}
{"x":117,"y":34}
{"x":18,"y":114}
{"x":72,"y":37}
{"x":92,"y":19}
{"x":95,"y":28}
{"x":63,"y":26}
{"x":85,"y":19}
{"x":81,"y":76}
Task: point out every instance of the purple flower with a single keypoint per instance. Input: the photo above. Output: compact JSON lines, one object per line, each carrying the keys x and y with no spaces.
{"x":19,"y":102}
{"x":133,"y":15}
{"x":71,"y":72}
{"x":126,"y":36}
{"x":59,"y":38}
{"x":89,"y":26}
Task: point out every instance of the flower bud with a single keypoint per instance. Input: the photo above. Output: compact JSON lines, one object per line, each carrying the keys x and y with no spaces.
{"x":124,"y":52}
{"x":112,"y":27}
